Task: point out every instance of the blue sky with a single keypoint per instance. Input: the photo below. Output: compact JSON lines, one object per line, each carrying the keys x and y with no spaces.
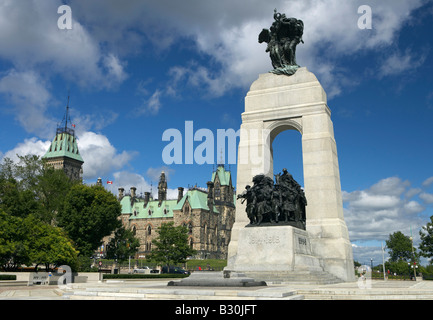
{"x":137,"y":68}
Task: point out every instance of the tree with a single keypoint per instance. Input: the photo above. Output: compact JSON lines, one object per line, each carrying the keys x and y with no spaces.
{"x":48,"y":245}
{"x":14,"y":249}
{"x":123,"y":245}
{"x":30,"y":241}
{"x":30,"y":187}
{"x":89,"y":213}
{"x":426,"y":245}
{"x":51,"y":190}
{"x":399,"y":247}
{"x":16,"y":201}
{"x":171,"y":246}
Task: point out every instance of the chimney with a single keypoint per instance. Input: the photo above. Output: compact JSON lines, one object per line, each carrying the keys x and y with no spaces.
{"x":146,"y":198}
{"x":179,"y":194}
{"x":121,"y":190}
{"x":133,"y":189}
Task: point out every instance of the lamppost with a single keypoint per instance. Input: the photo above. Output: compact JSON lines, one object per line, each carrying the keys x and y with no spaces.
{"x":383,"y":261}
{"x":414,"y":262}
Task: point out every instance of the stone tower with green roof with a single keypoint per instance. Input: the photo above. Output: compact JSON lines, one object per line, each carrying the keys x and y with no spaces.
{"x":63,"y":152}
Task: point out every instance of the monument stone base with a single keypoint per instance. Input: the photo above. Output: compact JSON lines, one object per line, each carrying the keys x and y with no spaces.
{"x":278,"y":253}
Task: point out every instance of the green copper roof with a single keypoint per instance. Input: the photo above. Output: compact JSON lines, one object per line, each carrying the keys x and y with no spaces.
{"x":151,"y":210}
{"x":197,"y":200}
{"x":223,"y":175}
{"x":64,"y":145}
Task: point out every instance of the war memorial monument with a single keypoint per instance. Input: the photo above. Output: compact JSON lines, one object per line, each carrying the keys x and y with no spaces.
{"x":281,"y":231}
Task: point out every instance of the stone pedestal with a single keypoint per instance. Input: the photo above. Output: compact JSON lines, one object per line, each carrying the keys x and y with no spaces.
{"x":276,"y":103}
{"x":275,"y":249}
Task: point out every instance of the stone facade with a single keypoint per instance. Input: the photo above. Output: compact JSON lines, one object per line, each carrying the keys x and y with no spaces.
{"x":207,"y":213}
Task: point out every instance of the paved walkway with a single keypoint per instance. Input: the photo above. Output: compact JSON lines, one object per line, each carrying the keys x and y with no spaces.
{"x":158,"y":290}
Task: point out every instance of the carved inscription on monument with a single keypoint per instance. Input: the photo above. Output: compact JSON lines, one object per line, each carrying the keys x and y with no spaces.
{"x":254,"y":240}
{"x":302,"y":241}
{"x":302,"y":244}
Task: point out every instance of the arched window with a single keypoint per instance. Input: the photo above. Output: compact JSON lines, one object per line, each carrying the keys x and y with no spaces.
{"x":149,"y":230}
{"x":134,"y":230}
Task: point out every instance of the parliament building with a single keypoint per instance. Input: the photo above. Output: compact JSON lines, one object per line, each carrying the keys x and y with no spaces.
{"x":207,"y":213}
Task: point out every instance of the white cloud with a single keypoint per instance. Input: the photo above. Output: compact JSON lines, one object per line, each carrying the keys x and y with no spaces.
{"x":427,"y":182}
{"x":100,"y":156}
{"x":398,"y":63}
{"x":127,"y":179}
{"x":31,"y":146}
{"x":115,"y":68}
{"x":29,"y":96}
{"x":382,"y":209}
{"x":426,"y":197}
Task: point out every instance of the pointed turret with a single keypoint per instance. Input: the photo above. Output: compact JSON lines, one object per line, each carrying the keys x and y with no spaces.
{"x":162,"y":188}
{"x":63,"y":152}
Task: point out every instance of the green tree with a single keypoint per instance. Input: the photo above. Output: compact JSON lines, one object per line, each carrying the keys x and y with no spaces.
{"x":399,"y":247}
{"x":89,"y":213}
{"x":123,"y":245}
{"x":16,"y":201}
{"x":51,"y":190}
{"x":171,"y":246}
{"x":30,"y":187}
{"x":14,"y":250}
{"x":426,"y":245}
{"x":30,"y":241}
{"x":48,"y":245}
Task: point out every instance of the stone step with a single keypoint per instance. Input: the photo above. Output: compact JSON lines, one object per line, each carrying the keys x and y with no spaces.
{"x":180,"y":294}
{"x":341,"y":294}
{"x":298,"y":277}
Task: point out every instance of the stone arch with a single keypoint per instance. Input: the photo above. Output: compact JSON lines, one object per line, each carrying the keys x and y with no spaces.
{"x":275,"y":128}
{"x":275,"y":104}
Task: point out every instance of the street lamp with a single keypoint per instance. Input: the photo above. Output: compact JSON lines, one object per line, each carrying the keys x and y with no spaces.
{"x":414,"y":262}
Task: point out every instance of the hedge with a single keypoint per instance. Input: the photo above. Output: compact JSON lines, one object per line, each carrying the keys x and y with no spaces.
{"x":144,"y":276}
{"x":8,"y":277}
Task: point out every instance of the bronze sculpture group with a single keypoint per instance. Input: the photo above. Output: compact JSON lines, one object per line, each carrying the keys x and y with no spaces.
{"x":275,"y":204}
{"x":282,"y":38}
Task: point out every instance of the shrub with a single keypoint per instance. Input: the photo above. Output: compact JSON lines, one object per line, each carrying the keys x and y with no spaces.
{"x":144,"y":276}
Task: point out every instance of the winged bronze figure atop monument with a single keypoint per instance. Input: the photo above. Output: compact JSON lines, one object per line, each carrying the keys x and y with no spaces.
{"x":282,"y":38}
